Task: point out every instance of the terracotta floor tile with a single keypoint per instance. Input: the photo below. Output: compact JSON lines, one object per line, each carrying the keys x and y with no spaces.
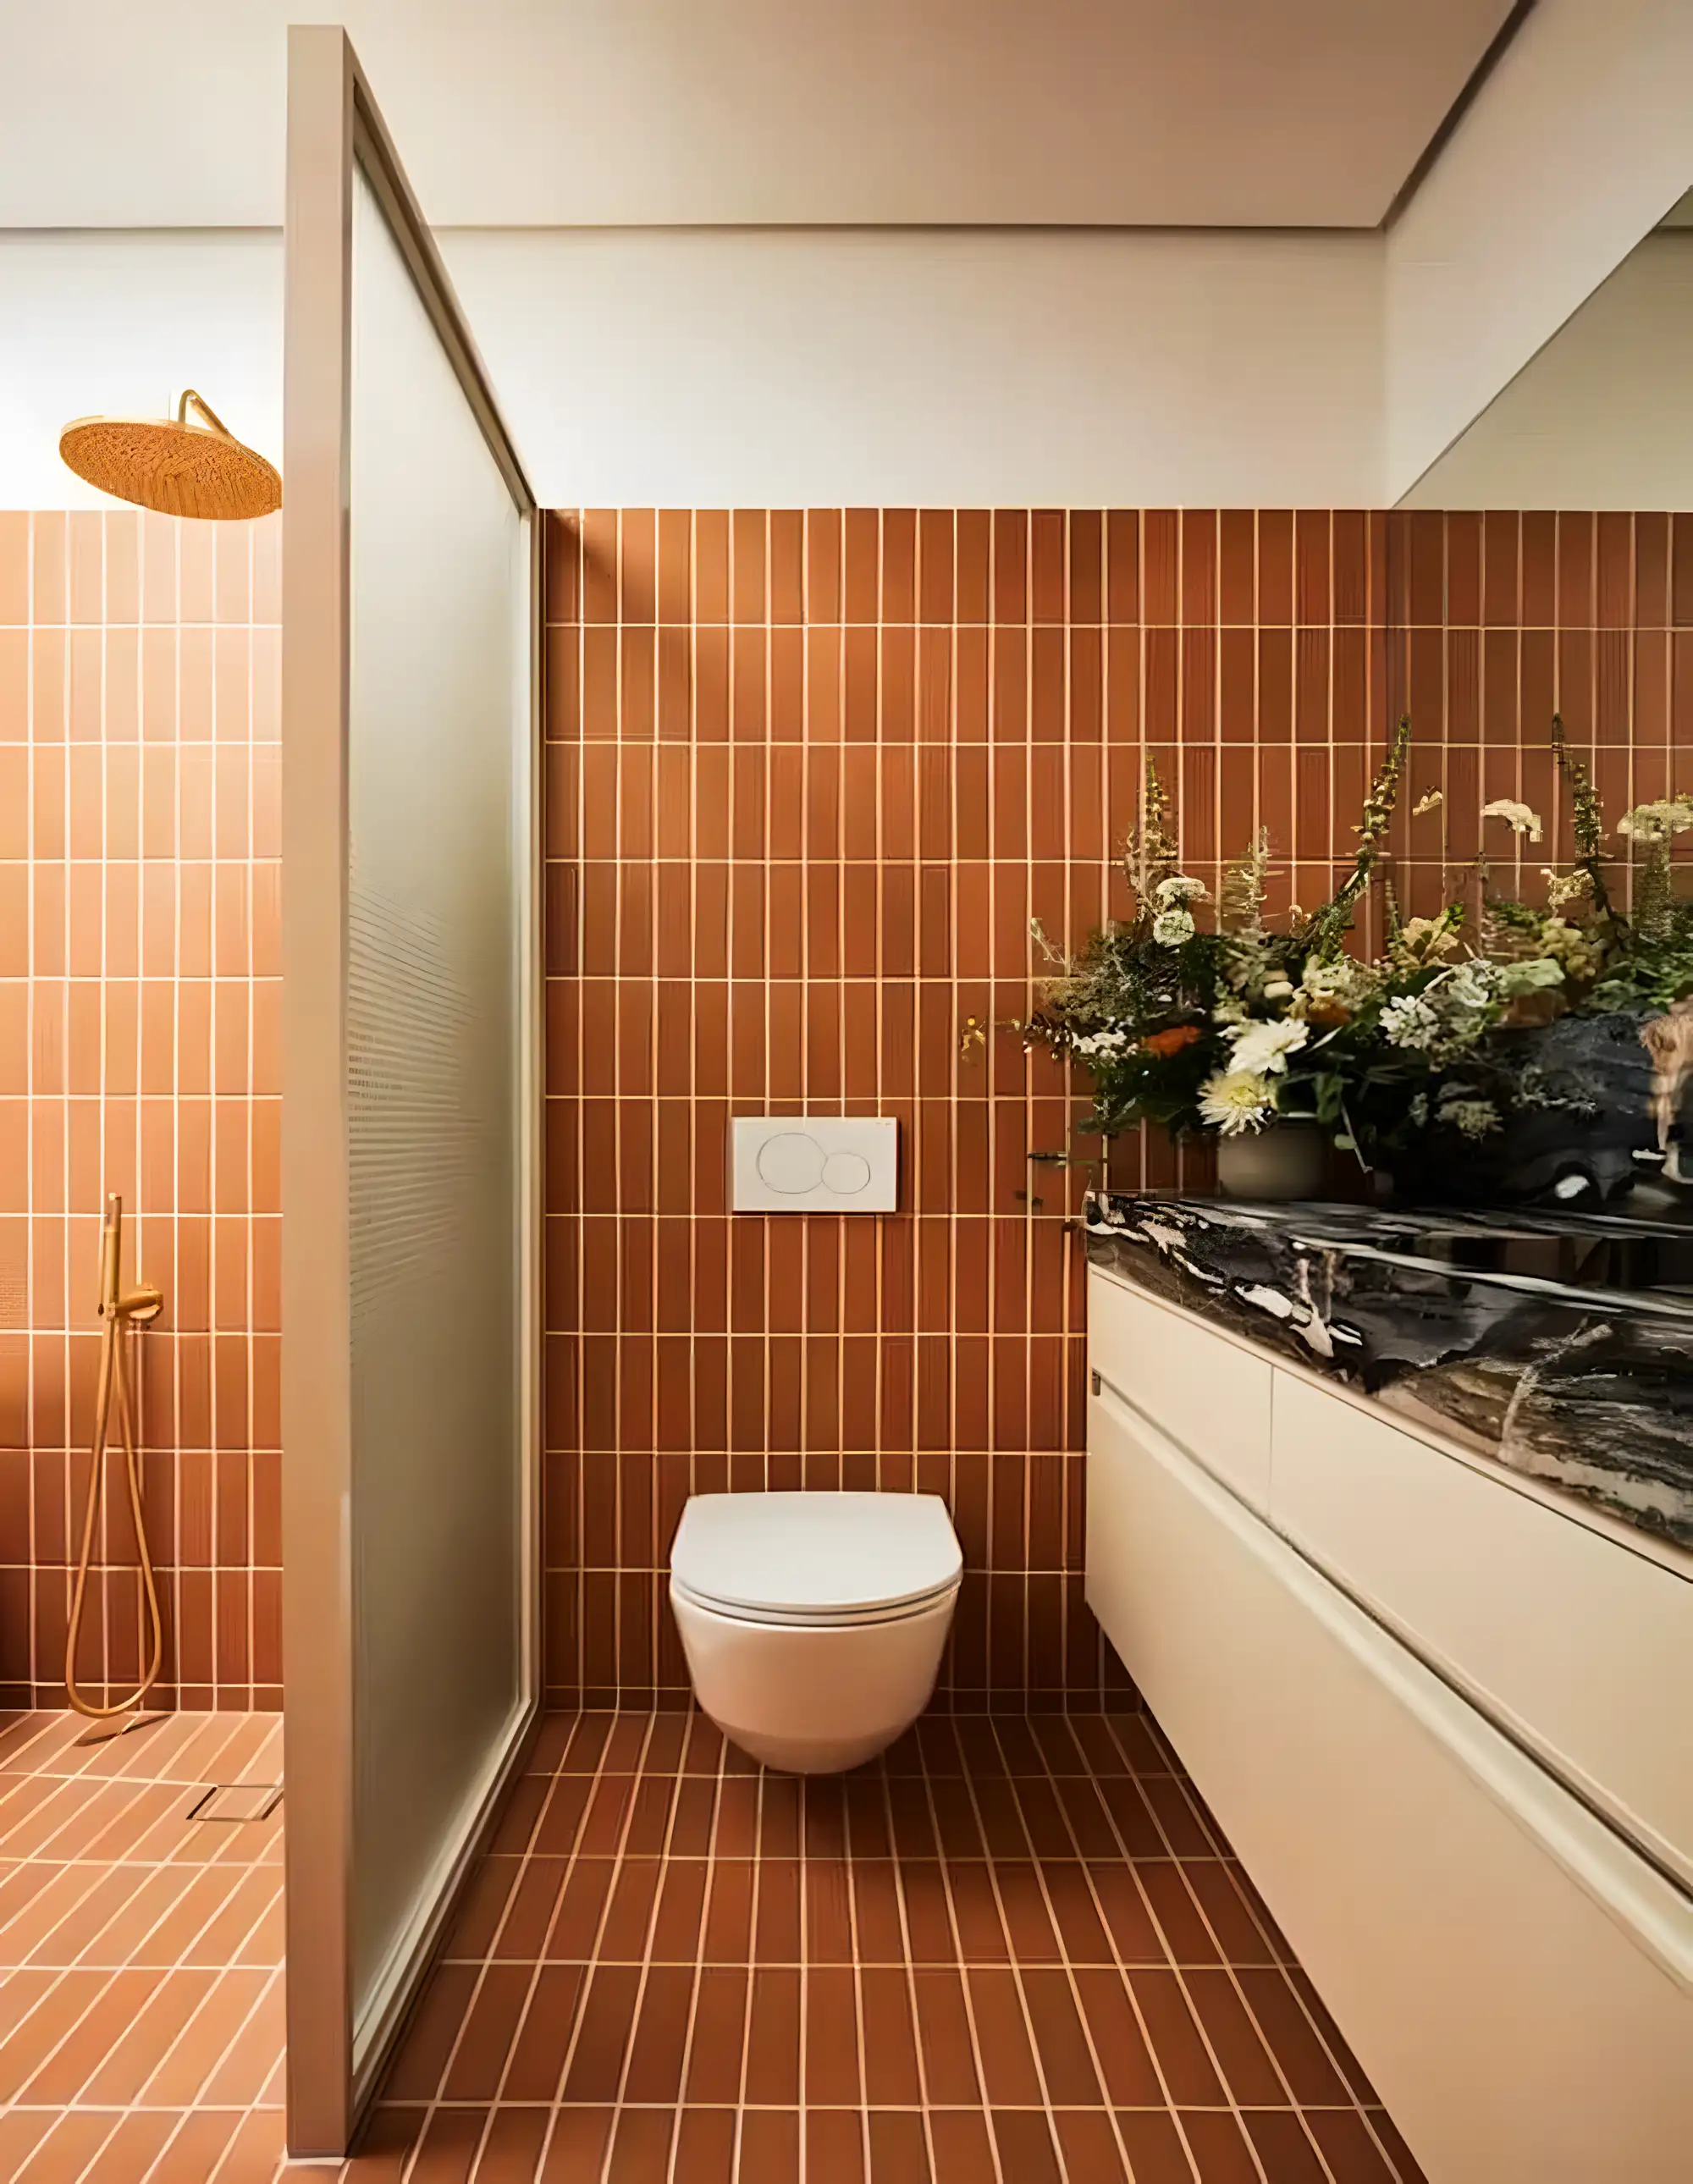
{"x":891,"y":2076}
{"x":21,"y":2131}
{"x":64,"y":2153}
{"x":54,"y":2002}
{"x":132,"y":2148}
{"x":152,"y":2028}
{"x":962,"y":2146}
{"x":185,"y":2076}
{"x":833,"y":2077}
{"x":770,"y":2146}
{"x":542,"y":2044}
{"x":1154,"y":2145}
{"x":772,"y":2079}
{"x":717,"y":2046}
{"x":957,"y":1966}
{"x":384,"y":2147}
{"x":1283,"y":2147}
{"x":1087,"y":2147}
{"x":706,"y":2146}
{"x":898,"y":2148}
{"x":945,"y":2041}
{"x":1067,"y":2062}
{"x":256,"y":2150}
{"x":1251,"y":2076}
{"x":832,"y":2145}
{"x":512,"y":2152}
{"x":478,"y":2065}
{"x":1220,"y":2149}
{"x":447,"y":2151}
{"x":1026,"y":2147}
{"x":603,"y":2030}
{"x":250,"y":2062}
{"x":1125,"y":2063}
{"x":1351,"y":2148}
{"x":1008,"y":2076}
{"x":1176,"y":2047}
{"x":660,"y":2048}
{"x":640,"y":2146}
{"x":776,"y":1920}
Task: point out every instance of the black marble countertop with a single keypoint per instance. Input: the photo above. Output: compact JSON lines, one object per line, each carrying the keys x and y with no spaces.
{"x":1559,"y":1345}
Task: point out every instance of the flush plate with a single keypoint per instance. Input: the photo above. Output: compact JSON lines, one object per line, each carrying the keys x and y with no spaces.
{"x":814,"y":1164}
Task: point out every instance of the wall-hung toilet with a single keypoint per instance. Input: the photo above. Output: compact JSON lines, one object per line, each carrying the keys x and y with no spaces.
{"x":813,"y":1622}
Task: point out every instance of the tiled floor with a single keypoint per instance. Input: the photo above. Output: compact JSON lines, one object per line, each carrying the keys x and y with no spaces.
{"x":140,"y":1951}
{"x":1016,"y":1952}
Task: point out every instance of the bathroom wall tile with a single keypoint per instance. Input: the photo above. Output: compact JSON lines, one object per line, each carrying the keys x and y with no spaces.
{"x":826,"y":863}
{"x":137,"y":1030}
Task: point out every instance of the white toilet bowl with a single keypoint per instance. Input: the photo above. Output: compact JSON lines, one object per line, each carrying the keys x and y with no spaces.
{"x":813,"y":1623}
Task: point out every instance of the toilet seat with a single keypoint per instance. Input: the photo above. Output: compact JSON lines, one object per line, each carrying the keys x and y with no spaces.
{"x":820,"y":1559}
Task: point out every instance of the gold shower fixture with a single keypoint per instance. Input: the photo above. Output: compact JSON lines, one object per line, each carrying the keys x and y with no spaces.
{"x":172,"y":466}
{"x":120,"y":1310}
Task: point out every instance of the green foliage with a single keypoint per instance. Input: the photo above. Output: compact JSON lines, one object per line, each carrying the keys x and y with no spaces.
{"x":1587,"y":816}
{"x":1327,"y":930}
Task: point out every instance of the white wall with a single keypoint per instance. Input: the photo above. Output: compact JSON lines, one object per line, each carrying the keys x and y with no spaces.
{"x":561,"y":113}
{"x":120,"y":322}
{"x":1603,"y":417}
{"x":894,"y":366}
{"x":770,"y":367}
{"x":1579,"y":143}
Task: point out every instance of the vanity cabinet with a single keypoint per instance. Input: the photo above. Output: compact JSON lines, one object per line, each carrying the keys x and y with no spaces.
{"x":1444,"y":1724}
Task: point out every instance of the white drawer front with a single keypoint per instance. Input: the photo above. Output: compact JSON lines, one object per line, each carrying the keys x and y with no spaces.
{"x":1584,"y":1648}
{"x":1205,"y":1391}
{"x":1518,"y":1984}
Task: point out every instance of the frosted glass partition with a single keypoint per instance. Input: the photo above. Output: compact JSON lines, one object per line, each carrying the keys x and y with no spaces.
{"x":410,"y":1096}
{"x":437,"y":868}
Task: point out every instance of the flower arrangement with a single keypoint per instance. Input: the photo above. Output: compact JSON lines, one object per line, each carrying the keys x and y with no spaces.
{"x":1229,"y":1026}
{"x":1637,"y":961}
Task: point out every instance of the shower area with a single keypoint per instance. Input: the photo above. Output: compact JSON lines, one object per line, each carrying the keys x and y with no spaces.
{"x":269,"y":1062}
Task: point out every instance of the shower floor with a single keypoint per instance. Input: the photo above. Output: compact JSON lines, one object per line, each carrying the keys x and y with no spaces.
{"x":1015,"y":1952}
{"x":141,"y":1952}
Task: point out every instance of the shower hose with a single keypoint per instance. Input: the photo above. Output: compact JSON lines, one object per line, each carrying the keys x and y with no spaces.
{"x":120,"y":1310}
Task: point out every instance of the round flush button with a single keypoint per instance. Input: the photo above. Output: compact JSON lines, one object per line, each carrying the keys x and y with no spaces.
{"x":793,"y":1162}
{"x":845,"y":1173}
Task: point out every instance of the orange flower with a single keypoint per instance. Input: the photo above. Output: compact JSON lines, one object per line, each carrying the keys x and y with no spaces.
{"x":1171,"y":1041}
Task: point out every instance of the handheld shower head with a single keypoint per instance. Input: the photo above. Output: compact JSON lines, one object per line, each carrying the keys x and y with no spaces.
{"x":142,"y":1303}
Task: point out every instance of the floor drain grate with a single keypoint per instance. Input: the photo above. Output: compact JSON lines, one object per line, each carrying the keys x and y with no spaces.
{"x":236,"y":1801}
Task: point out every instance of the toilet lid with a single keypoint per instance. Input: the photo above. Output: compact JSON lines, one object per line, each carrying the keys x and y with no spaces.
{"x":810,"y":1554}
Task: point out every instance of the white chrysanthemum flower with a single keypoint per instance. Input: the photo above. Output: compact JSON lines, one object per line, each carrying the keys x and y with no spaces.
{"x":1518,"y":817}
{"x":1235,"y":1101}
{"x":1171,"y":927}
{"x":1474,"y":1118}
{"x":1409,"y":1021}
{"x":1178,"y":888}
{"x":1262,"y":1049}
{"x":1228,"y":1010}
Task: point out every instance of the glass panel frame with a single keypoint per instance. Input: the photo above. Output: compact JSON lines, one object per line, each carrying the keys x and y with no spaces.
{"x":337,"y":2036}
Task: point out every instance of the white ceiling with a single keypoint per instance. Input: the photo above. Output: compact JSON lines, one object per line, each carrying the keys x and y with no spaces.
{"x":521,"y":112}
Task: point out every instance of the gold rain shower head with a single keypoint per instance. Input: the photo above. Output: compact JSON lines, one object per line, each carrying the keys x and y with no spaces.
{"x":177,"y":468}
